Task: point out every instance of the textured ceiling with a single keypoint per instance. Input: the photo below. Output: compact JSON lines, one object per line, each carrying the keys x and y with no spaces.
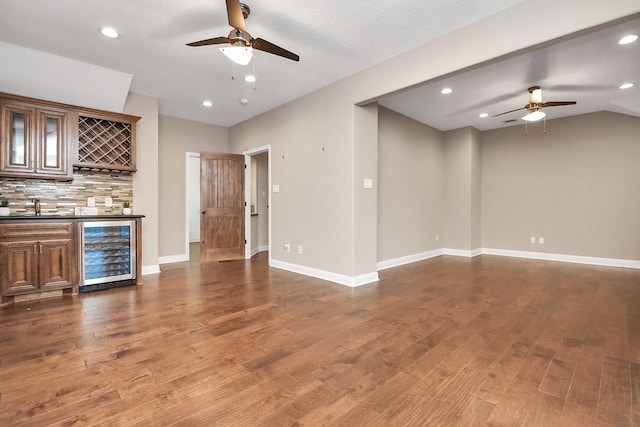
{"x":334,"y":39}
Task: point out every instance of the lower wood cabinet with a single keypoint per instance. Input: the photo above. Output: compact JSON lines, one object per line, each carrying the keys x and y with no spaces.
{"x":36,"y":257}
{"x":39,"y":256}
{"x":36,"y":265}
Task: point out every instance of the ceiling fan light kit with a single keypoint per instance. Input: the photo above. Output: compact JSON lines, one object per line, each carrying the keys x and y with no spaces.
{"x":534,"y":116}
{"x":239,"y":54}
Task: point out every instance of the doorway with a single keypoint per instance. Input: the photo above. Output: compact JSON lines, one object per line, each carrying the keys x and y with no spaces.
{"x":258,"y":184}
{"x":258,"y":198}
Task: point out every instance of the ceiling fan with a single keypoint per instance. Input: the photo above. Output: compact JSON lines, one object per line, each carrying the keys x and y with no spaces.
{"x":241,"y":41}
{"x":535,"y":105}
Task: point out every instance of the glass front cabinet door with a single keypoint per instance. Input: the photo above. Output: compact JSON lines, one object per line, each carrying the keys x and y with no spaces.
{"x":53,"y":147}
{"x":34,"y":142}
{"x":18,"y":129}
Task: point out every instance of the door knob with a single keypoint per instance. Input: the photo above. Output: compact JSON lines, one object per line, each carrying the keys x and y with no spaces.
{"x":204,"y":212}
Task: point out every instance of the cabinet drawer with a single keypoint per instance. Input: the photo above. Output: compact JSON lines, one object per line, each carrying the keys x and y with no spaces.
{"x":29,"y":229}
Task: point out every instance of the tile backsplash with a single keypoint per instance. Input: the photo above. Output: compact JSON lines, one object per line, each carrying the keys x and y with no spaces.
{"x":60,"y":198}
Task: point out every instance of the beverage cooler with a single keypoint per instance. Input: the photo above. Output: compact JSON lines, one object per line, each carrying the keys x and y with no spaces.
{"x":107,"y":254}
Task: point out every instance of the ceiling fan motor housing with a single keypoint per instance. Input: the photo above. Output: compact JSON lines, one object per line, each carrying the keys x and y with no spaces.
{"x":239,"y":38}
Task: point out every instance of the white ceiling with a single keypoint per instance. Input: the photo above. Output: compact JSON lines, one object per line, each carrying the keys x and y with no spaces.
{"x":334,"y":39}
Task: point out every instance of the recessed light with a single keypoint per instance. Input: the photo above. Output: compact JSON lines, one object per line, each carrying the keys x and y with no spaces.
{"x":626,"y":85}
{"x":628,"y":39}
{"x":244,"y":101}
{"x":446,"y":91}
{"x":250,"y":78}
{"x":483,"y":115}
{"x":109,"y":32}
{"x":207,"y":103}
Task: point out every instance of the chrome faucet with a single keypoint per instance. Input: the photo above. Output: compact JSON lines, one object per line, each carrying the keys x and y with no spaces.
{"x":36,"y":205}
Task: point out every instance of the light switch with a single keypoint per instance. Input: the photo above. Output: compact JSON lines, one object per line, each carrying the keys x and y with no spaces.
{"x":368,"y":183}
{"x":276,"y":188}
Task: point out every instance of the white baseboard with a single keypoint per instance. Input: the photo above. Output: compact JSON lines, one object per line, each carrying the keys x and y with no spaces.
{"x":396,"y":262}
{"x":462,"y":252}
{"x":173,"y":258}
{"x":150,"y":269}
{"x":576,"y":259}
{"x":351,"y":281}
{"x":259,"y":249}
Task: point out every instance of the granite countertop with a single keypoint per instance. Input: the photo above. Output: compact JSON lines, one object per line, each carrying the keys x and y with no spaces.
{"x":63,"y":217}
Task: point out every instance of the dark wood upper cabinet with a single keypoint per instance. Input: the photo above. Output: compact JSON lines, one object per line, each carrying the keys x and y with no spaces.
{"x":48,"y":140}
{"x":35,"y":141}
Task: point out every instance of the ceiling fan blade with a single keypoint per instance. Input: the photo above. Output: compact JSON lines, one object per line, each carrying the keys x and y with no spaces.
{"x":575,"y":88}
{"x":512,"y":111}
{"x":558,"y":103}
{"x":263,"y":45}
{"x":207,"y":42}
{"x":538,"y":69}
{"x":234,"y":13}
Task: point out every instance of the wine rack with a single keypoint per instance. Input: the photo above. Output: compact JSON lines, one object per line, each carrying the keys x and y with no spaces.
{"x":105,"y":145}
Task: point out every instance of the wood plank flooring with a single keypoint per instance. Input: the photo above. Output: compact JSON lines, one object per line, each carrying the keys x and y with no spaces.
{"x":448,"y":341}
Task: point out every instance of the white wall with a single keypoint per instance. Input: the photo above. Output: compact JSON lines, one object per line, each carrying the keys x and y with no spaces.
{"x":313,"y":165}
{"x":462,"y":189}
{"x":145,"y":181}
{"x":576,"y":186}
{"x":322,"y":148}
{"x":410,"y":188}
{"x":178,"y":137}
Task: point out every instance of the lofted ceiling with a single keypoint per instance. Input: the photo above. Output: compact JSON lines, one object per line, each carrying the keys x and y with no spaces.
{"x":587,"y":68}
{"x":334,"y":39}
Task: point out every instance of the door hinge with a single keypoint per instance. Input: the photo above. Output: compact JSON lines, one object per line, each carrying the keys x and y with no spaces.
{"x":245,"y":241}
{"x":245,"y":204}
{"x":245,"y":165}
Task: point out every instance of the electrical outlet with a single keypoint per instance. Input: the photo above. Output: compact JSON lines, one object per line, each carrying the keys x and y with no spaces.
{"x":541,"y":240}
{"x":300,"y":249}
{"x":532,"y":239}
{"x":437,"y":237}
{"x":287,"y":247}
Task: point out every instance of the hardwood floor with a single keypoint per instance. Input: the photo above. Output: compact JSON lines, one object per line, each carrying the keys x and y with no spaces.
{"x":447,"y":341}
